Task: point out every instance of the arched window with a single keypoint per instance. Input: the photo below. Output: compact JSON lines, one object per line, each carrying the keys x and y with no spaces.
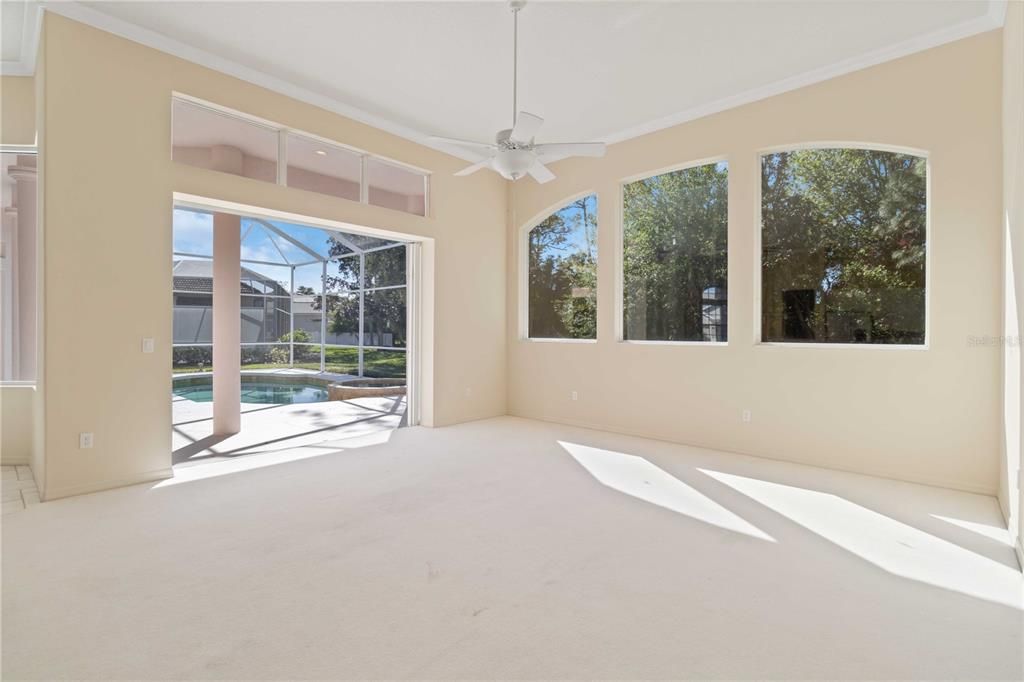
{"x":843,"y":246}
{"x":675,"y":258}
{"x":562,"y":270}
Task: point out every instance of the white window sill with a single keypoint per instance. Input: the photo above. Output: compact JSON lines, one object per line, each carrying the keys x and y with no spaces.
{"x":533,"y":340}
{"x":699,"y":344}
{"x":844,"y":346}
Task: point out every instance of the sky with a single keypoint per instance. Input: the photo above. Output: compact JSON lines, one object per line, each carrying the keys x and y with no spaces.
{"x":193,"y":233}
{"x":572,"y":215}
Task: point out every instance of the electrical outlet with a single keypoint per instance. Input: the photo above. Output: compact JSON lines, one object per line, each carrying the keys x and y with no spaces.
{"x":147,"y":345}
{"x":575,"y":395}
{"x":84,"y":441}
{"x":746,"y":416}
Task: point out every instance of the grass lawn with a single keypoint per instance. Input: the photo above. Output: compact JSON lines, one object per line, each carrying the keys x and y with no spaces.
{"x":376,"y":363}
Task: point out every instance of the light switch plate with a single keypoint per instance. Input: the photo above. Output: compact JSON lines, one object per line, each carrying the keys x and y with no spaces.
{"x":147,"y":345}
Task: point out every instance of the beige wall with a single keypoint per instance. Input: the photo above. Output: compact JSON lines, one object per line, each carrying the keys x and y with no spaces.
{"x":17,"y":110}
{"x":16,"y":414}
{"x":1011,"y":495}
{"x":38,"y":409}
{"x":107,"y":202}
{"x":930,"y":415}
{"x":17,"y":403}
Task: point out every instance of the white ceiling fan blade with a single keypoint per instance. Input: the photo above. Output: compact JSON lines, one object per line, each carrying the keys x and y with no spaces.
{"x":526,"y":127}
{"x":540,"y":173}
{"x":562,"y":150}
{"x":469,"y":144}
{"x":469,"y":170}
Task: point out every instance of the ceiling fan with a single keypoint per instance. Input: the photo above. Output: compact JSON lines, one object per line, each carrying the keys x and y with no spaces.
{"x":514,"y":153}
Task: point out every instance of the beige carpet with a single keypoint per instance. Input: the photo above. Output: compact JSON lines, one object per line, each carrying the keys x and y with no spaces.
{"x":512,"y":549}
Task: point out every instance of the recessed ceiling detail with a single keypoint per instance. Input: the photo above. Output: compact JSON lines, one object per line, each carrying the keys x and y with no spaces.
{"x":20,"y":22}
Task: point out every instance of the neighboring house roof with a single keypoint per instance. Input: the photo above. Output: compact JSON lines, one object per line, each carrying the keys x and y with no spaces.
{"x":199,"y":285}
{"x":196,"y":276}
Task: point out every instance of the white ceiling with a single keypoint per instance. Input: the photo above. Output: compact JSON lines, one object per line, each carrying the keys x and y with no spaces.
{"x":602,"y":71}
{"x":11,"y":17}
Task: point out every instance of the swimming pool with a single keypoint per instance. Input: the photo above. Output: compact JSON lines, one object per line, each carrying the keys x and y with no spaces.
{"x":256,"y":390}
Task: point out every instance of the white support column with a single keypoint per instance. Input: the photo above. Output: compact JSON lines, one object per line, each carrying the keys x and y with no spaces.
{"x":364,"y":186}
{"x":323,"y":316}
{"x":362,"y":309}
{"x":9,"y":307}
{"x":24,"y":197}
{"x":227,"y":323}
{"x":412,"y":334}
{"x":282,"y":157}
{"x":291,"y":319}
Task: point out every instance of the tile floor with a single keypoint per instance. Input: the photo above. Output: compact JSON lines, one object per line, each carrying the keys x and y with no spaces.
{"x":19,"y":488}
{"x":271,"y":427}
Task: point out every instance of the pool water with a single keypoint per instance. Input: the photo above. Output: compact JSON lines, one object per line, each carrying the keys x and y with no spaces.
{"x":270,"y":394}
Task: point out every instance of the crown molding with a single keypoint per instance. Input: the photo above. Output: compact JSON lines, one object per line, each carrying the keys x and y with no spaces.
{"x":993,"y":19}
{"x":158,"y":41}
{"x":31,"y":25}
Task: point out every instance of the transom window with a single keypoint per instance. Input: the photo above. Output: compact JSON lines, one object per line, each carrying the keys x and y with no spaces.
{"x":675,"y":259}
{"x":210,"y":137}
{"x":562,"y":270}
{"x":843,"y":246}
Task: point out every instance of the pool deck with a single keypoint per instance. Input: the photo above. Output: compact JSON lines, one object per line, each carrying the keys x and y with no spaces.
{"x":284,"y":371}
{"x":274,"y":428}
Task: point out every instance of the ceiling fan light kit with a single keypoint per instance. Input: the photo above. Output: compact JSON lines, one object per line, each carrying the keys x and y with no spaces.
{"x":514,"y":152}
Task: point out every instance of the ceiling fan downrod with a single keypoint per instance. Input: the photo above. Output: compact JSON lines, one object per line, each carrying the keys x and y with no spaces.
{"x":515,"y":6}
{"x":514,"y":152}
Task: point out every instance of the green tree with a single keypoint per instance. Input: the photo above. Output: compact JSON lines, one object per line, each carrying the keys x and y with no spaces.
{"x":299,"y":336}
{"x":563,"y":273}
{"x":384,"y":310}
{"x":344,"y":316}
{"x":675,"y":228}
{"x":843,"y":231}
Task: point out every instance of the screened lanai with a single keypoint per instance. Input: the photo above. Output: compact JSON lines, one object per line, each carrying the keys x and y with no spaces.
{"x":312,"y":299}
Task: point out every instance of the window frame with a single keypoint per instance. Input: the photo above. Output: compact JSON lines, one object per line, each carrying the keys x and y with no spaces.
{"x":284,"y":131}
{"x":523,"y":259}
{"x":364,"y":181}
{"x":620,"y":257}
{"x":758,"y":339}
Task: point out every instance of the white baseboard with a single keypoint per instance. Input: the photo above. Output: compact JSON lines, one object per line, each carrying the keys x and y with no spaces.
{"x":69,"y":491}
{"x":936,"y":483}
